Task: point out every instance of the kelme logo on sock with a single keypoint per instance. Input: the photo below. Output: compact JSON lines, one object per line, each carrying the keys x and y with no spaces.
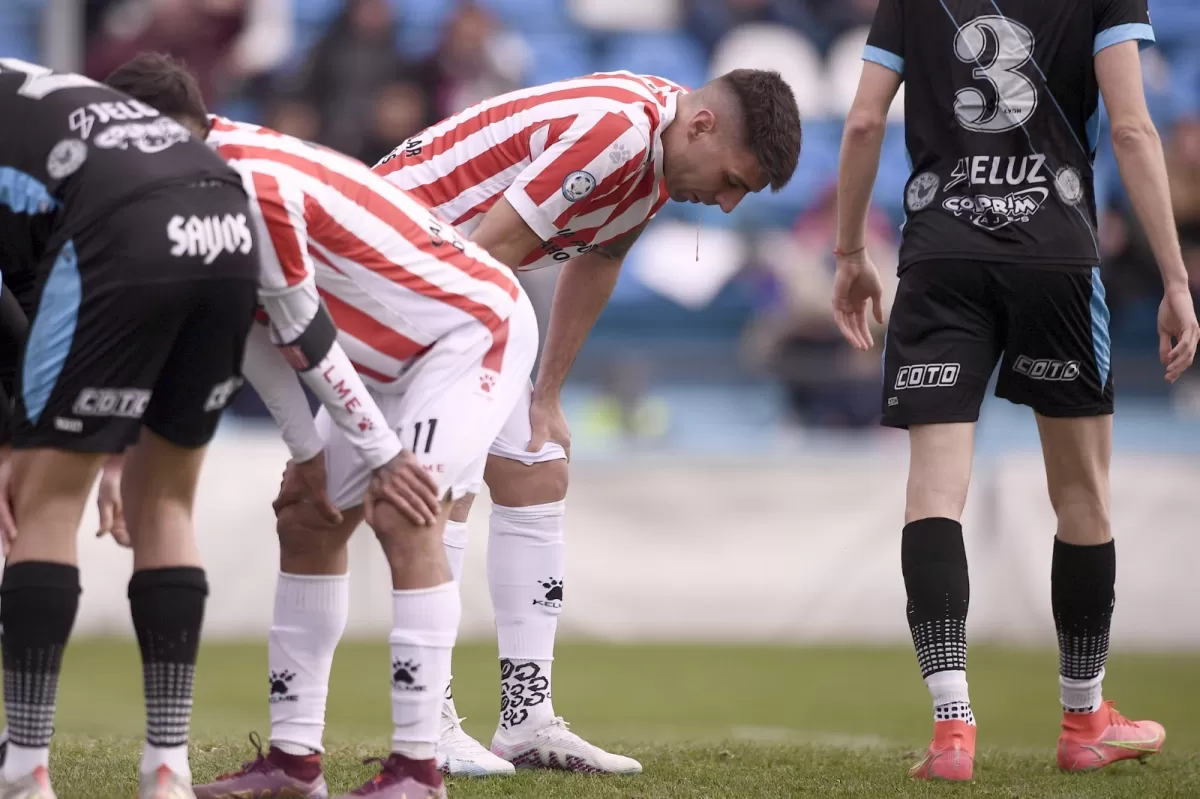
{"x":404,"y":675}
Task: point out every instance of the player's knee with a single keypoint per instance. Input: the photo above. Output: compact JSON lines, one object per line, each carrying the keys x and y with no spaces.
{"x":1082,"y":510}
{"x":516,"y":485}
{"x":404,"y":542}
{"x":310,"y":545}
{"x":461,"y":509}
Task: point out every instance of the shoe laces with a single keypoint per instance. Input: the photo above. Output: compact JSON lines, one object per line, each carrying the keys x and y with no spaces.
{"x":258,"y":765}
{"x":452,"y":725}
{"x":1115,"y":719}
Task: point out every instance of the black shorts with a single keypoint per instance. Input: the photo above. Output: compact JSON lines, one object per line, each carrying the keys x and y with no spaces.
{"x":142,"y":319}
{"x":953,"y":320}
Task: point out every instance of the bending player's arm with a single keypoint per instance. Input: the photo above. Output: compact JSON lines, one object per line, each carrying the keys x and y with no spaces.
{"x":597,"y":154}
{"x":306,"y":339}
{"x":582,"y":291}
{"x":275,"y":382}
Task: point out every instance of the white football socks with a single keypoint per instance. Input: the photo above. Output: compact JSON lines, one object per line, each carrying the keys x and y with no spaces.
{"x":311,"y":612}
{"x":525,"y":576}
{"x":425,"y":625}
{"x":951,"y":700}
{"x":1081,"y":696}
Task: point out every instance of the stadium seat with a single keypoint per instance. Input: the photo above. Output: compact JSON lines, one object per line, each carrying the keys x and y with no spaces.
{"x":627,"y":15}
{"x":1176,"y":22}
{"x":529,"y":16}
{"x":845,"y":66}
{"x":559,"y":56}
{"x":18,"y":39}
{"x":765,"y":46}
{"x":315,"y":12}
{"x":422,"y":14}
{"x":674,"y":56}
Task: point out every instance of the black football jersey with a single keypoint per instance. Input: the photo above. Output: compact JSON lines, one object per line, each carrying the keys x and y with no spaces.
{"x":1001,"y":120}
{"x":72,"y":150}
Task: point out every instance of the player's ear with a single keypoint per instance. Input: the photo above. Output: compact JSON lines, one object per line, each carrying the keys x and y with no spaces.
{"x":701,"y":123}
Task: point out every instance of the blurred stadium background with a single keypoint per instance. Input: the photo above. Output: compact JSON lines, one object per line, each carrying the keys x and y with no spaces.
{"x":730,"y":486}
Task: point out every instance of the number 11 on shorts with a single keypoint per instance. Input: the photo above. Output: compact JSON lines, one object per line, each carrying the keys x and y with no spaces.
{"x":430,"y":428}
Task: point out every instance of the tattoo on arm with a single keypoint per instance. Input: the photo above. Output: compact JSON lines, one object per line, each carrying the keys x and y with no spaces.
{"x":619,"y":247}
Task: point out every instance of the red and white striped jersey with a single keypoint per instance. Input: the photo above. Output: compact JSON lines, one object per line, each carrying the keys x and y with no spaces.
{"x":394,"y":278}
{"x":581,"y":161}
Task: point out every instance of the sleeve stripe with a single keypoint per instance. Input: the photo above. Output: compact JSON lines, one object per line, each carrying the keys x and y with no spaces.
{"x":884,"y":58}
{"x":283,"y":235}
{"x":1130,"y":32}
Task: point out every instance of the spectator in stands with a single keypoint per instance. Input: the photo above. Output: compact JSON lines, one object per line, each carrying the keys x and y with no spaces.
{"x":839,"y":16}
{"x":475,"y":60}
{"x":829,"y":384}
{"x":354,"y":92}
{"x":709,"y":20}
{"x":224,"y":42}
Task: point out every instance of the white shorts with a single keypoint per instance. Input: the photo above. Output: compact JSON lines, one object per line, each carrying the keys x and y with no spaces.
{"x":450,"y":410}
{"x":516,"y":433}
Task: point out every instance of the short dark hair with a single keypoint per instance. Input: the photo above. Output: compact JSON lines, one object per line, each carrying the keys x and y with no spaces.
{"x":772,"y":121}
{"x":162,"y":82}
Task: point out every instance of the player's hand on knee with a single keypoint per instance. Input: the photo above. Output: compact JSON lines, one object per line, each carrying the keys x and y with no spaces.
{"x":404,"y":484}
{"x":108,"y":503}
{"x":854,"y":286}
{"x":305,"y":482}
{"x":547,"y":422}
{"x":8,"y":527}
{"x":1177,"y":324}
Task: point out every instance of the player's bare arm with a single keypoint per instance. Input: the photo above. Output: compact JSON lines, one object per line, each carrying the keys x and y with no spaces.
{"x":583,"y":289}
{"x":505,"y":235}
{"x":857,"y":281}
{"x":1139,"y":153}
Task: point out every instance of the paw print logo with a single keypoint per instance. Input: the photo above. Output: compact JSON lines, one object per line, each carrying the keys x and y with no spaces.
{"x":279,"y":682}
{"x":554,"y":590}
{"x":404,"y":671}
{"x":486,"y":382}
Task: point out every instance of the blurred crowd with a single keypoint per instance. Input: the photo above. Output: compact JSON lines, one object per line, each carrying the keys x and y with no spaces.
{"x":363,"y":75}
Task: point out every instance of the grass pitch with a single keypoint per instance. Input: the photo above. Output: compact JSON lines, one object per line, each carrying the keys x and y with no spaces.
{"x":704,"y":721}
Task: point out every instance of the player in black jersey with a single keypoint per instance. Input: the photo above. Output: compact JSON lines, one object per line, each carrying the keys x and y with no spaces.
{"x":999,"y":265}
{"x":134,"y":247}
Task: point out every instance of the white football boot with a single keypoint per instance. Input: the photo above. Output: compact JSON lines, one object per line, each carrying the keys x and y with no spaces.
{"x":163,"y":783}
{"x":460,"y":755}
{"x":556,"y":747}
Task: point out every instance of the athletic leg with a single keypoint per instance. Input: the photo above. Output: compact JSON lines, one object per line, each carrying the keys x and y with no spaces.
{"x":1057,"y":362}
{"x":940,"y":351}
{"x":453,"y":408}
{"x":525,"y":575}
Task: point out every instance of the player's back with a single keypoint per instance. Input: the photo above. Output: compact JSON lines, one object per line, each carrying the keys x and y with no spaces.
{"x":1001,"y":120}
{"x":380,"y":259}
{"x":72,"y":150}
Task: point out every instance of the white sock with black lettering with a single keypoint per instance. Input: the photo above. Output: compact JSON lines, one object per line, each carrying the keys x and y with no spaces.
{"x":311,"y":612}
{"x":425,"y":626}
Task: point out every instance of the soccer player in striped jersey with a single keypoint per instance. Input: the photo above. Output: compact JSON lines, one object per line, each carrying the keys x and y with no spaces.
{"x":570,"y":173}
{"x":418,"y":345}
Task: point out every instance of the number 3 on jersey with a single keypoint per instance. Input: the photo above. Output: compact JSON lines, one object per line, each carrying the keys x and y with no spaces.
{"x":998,"y":47}
{"x":41,"y":81}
